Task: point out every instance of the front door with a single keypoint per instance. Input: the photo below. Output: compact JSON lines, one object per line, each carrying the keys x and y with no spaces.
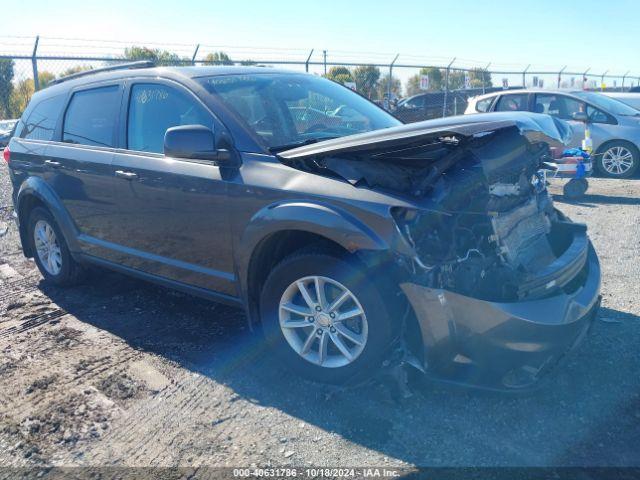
{"x":562,"y":106}
{"x":172,"y":212}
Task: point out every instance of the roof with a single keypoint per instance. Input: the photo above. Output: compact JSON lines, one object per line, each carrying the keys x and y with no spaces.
{"x":189,"y":72}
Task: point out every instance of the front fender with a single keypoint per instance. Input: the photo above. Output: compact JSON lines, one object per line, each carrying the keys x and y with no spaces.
{"x":38,"y":188}
{"x":327,"y":221}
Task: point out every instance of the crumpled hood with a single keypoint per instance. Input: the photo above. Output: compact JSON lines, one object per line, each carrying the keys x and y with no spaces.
{"x":535,"y":127}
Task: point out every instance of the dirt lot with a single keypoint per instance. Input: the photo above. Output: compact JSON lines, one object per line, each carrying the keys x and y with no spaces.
{"x":119,"y":372}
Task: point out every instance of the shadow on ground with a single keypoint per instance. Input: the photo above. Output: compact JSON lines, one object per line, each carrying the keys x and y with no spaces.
{"x":587,"y":415}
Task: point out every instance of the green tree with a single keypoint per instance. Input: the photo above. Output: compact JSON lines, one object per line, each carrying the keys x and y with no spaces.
{"x":76,"y":69}
{"x":366,"y":78}
{"x":160,"y":57}
{"x":479,"y":77}
{"x":6,"y":87}
{"x":436,"y":80}
{"x":23,"y":90}
{"x":217,"y":58}
{"x":383,"y":86}
{"x":339,"y":74}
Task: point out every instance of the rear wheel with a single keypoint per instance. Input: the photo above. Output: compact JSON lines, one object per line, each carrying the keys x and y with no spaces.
{"x":324,"y":319}
{"x":50,"y":250}
{"x":618,"y":159}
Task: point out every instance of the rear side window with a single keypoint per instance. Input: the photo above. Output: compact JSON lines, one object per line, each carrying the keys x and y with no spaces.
{"x":91,"y":117}
{"x":41,"y":122}
{"x":483,"y":105}
{"x":155,"y":108}
{"x":512,"y":103}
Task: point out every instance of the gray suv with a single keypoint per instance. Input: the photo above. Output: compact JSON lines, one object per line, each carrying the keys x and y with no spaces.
{"x":348,"y":238}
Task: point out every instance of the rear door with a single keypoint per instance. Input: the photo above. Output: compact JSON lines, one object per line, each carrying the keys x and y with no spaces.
{"x":562,"y":106}
{"x":78,"y":162}
{"x":172,"y":213}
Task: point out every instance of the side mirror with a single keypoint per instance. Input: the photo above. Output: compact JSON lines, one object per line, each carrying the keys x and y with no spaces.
{"x":580,"y":117}
{"x":194,"y":141}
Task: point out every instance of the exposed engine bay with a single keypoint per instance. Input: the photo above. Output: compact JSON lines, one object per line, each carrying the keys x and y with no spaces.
{"x":486,"y":226}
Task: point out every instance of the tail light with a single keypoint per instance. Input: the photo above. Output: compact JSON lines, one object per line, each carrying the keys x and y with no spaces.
{"x":6,"y":154}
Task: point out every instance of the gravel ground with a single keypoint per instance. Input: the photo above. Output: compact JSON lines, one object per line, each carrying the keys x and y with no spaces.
{"x":120,"y":372}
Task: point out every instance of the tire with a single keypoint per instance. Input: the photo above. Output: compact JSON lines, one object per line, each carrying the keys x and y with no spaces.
{"x":373,"y":329}
{"x":613,"y":158}
{"x":63,"y":270}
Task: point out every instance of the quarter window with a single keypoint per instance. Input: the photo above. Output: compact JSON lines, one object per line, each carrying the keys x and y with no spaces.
{"x":91,"y":117}
{"x":483,"y":105}
{"x":42,"y":120}
{"x":512,"y":103}
{"x":153,"y":109}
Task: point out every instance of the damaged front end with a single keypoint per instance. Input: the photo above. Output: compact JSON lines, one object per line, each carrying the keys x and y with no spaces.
{"x":490,"y":266}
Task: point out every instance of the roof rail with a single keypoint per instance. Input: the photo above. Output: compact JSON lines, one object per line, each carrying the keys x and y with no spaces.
{"x":121,"y":66}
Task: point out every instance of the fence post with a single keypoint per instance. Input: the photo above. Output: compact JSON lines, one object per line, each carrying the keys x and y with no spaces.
{"x":524,"y":80}
{"x":584,"y":78}
{"x":602,"y":80}
{"x":193,"y":58}
{"x":484,"y":81}
{"x":34,"y":63}
{"x":624,"y":78}
{"x":560,"y":75}
{"x":324,"y":57}
{"x":306,"y":64}
{"x":446,"y":87}
{"x":389,"y":83}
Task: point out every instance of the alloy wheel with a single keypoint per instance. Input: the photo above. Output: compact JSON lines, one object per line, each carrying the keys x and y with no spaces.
{"x":47,"y":247}
{"x":323,"y":321}
{"x":617,"y":160}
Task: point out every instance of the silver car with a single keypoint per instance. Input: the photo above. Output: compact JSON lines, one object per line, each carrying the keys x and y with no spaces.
{"x":614,"y":126}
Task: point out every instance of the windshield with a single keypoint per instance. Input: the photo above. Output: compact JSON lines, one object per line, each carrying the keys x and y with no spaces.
{"x":286,"y":110}
{"x":610,"y":105}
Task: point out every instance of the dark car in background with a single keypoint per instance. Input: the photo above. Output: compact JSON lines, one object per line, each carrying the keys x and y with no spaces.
{"x":6,"y":129}
{"x":347,"y":237}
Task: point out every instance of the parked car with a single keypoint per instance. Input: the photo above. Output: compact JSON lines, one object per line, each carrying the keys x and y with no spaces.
{"x":614,"y":126}
{"x":433,"y":243}
{"x":6,"y":127}
{"x":631,"y":99}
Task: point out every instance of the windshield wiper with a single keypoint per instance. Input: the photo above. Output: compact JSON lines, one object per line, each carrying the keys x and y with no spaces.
{"x":289,"y":146}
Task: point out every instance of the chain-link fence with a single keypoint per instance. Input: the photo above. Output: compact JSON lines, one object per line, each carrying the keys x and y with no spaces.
{"x":412,"y":87}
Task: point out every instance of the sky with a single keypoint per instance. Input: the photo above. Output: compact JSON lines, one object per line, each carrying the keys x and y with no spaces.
{"x":548,"y":34}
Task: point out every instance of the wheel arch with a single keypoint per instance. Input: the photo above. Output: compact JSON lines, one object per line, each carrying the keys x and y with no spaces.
{"x":34,"y":192}
{"x":280,"y":229}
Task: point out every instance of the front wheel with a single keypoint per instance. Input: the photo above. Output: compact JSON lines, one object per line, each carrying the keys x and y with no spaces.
{"x":618,"y":160}
{"x":324,"y":319}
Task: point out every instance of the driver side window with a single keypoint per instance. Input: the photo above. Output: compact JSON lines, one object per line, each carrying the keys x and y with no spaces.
{"x":153,"y":109}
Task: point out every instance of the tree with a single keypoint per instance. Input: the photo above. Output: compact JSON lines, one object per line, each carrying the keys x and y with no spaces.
{"x":74,"y":70}
{"x":480,"y":77}
{"x":366,"y":78}
{"x":217,"y":58}
{"x":23,"y":90}
{"x":6,"y":87}
{"x":383,"y":86}
{"x":160,"y":57}
{"x":339,"y":74}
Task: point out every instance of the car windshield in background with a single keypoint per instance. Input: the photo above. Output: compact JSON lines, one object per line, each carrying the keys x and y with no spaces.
{"x":608,"y":104}
{"x":287,"y":110}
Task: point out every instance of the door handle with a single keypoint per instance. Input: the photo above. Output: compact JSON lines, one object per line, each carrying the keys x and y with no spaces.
{"x":126,"y":175}
{"x":52,"y":164}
